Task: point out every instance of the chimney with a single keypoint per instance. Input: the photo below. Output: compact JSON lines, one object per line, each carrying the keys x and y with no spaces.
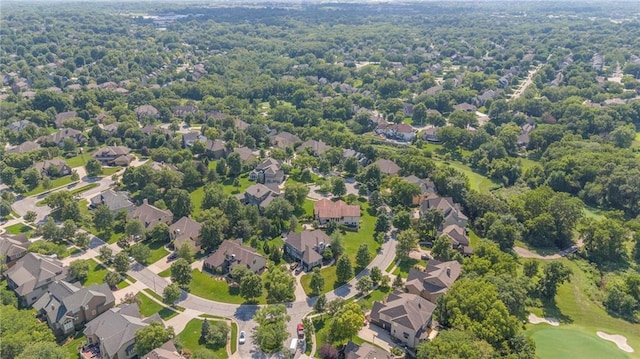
{"x":448,"y":271}
{"x":145,"y":201}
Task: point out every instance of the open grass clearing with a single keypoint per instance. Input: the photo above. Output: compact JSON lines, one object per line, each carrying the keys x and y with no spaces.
{"x":477,"y":181}
{"x":569,"y":342}
{"x":190,"y":339}
{"x":19,"y":228}
{"x":149,"y":307}
{"x":217,"y":289}
{"x":55,"y":183}
{"x":78,"y":161}
{"x":96,"y":275}
{"x":158,"y":251}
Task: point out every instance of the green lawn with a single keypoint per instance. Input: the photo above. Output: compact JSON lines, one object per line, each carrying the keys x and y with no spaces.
{"x":376,"y":295}
{"x":190,"y":339}
{"x":149,"y":307}
{"x":153,"y":294}
{"x":234,"y":337}
{"x":351,"y":242}
{"x":78,"y":161}
{"x":85,"y":188}
{"x":72,"y":346}
{"x":578,"y":311}
{"x":55,"y":183}
{"x":196,"y":199}
{"x":165,"y":273}
{"x":205,"y":286}
{"x":562,"y":342}
{"x":157,"y":251}
{"x":404,"y":266}
{"x":96,"y":273}
{"x":477,"y":181}
{"x":19,"y":228}
{"x":527,"y":163}
{"x":244,"y":183}
{"x":108,"y":171}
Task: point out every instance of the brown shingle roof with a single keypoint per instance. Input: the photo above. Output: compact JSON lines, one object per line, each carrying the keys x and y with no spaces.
{"x":326,"y":208}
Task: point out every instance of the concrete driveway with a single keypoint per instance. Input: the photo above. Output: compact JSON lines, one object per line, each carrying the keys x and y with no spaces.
{"x":377,"y":336}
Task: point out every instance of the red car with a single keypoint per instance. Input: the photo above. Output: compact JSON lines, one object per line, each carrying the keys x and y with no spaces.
{"x":300,"y":330}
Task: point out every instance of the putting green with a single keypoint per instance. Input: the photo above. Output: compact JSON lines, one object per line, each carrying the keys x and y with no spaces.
{"x":562,"y":343}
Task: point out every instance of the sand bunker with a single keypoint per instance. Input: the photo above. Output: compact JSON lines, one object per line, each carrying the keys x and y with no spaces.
{"x":619,"y":340}
{"x":534,"y":319}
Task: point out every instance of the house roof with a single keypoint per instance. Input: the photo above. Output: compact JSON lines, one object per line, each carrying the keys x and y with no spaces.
{"x":246,"y":154}
{"x":185,"y":229}
{"x":465,"y":107}
{"x":406,"y":309}
{"x":46,"y":164}
{"x":111,"y":151}
{"x":116,"y":327}
{"x":159,"y":166}
{"x":364,"y":351}
{"x":306,"y":242}
{"x":11,"y":245}
{"x":59,"y":136}
{"x":437,"y":278}
{"x":326,"y":208}
{"x":19,"y":125}
{"x":444,"y":204}
{"x":112,"y":199}
{"x":215,"y":145}
{"x":166,"y":351}
{"x":284,"y":139}
{"x":456,"y":234}
{"x":63,"y":298}
{"x":269,"y":163}
{"x":259,"y":190}
{"x":403,"y":128}
{"x":149,"y":215}
{"x":63,"y":116}
{"x":33,"y":270}
{"x":242,"y":255}
{"x":26,"y":146}
{"x":387,"y":167}
{"x":146,"y":110}
{"x":318,"y":147}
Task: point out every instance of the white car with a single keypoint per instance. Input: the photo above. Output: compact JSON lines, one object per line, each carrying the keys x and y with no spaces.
{"x":243,"y":337}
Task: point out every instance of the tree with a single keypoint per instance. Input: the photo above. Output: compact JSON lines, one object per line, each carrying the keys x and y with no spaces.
{"x":82,"y":240}
{"x":280,"y":285}
{"x":105,"y":254}
{"x":320,"y":303}
{"x":212,"y":233}
{"x":338,"y":187}
{"x":112,"y":279}
{"x":295,"y":193}
{"x":328,"y":351}
{"x":49,"y":350}
{"x":238,"y":272}
{"x":441,"y":248}
{"x":50,"y":230}
{"x":205,"y":329}
{"x":397,"y":282}
{"x":181,"y":273}
{"x":235,"y":164}
{"x":79,"y":270}
{"x":279,"y":211}
{"x":382,"y":224}
{"x":272,"y":328}
{"x":350,"y":166}
{"x":69,"y":229}
{"x":93,"y":167}
{"x":604,"y":240}
{"x":152,"y":336}
{"x":402,"y":192}
{"x":20,"y":330}
{"x":30,"y":216}
{"x":407,"y":241}
{"x":623,"y":136}
{"x":419,"y":114}
{"x":364,"y":284}
{"x":346,"y":323}
{"x":402,"y":220}
{"x":121,"y":262}
{"x":363,"y":257}
{"x":215,"y":334}
{"x":317,"y":281}
{"x":531,"y":269}
{"x":171,"y":293}
{"x":553,"y":274}
{"x":185,"y":252}
{"x":179,"y":202}
{"x":250,"y":286}
{"x":160,"y":233}
{"x":455,"y":344}
{"x":344,"y":271}
{"x":336,"y":245}
{"x":375,"y":275}
{"x":134,"y":228}
{"x":140,"y":253}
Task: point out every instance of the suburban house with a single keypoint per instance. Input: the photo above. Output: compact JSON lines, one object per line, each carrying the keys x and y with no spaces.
{"x":317,"y":148}
{"x":427,"y":187}
{"x":430,"y":134}
{"x":406,"y":316}
{"x":307,"y":247}
{"x":458,"y":238}
{"x":31,"y":276}
{"x":150,"y":215}
{"x":53,"y":168}
{"x":466,"y":107}
{"x":167,"y":350}
{"x":216,"y":148}
{"x":114,"y":331}
{"x":231,"y":254}
{"x":450,"y":211}
{"x":400,"y":132}
{"x":12,"y":248}
{"x":113,"y":155}
{"x":267,"y":172}
{"x":246,"y":155}
{"x":59,"y":137}
{"x":284,"y":139}
{"x":387,"y":167}
{"x":523,"y":138}
{"x":63,"y":116}
{"x":434,"y":281}
{"x":259,"y":195}
{"x":364,"y":351}
{"x":186,"y":231}
{"x":347,"y":153}
{"x":183,"y":111}
{"x":19,"y":125}
{"x":326,"y":210}
{"x":146,"y":111}
{"x":188,"y":139}
{"x":115,"y":200}
{"x":27,"y":146}
{"x":67,"y":307}
{"x":159,"y":166}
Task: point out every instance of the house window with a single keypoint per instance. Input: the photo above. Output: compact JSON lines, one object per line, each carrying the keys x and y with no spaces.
{"x":405,"y":335}
{"x":68,"y":325}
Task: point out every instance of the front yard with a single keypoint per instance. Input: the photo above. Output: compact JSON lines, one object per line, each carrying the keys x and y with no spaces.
{"x":149,"y":307}
{"x":19,"y":228}
{"x":190,"y":339}
{"x":216,"y":288}
{"x":96,"y":275}
{"x":55,"y":183}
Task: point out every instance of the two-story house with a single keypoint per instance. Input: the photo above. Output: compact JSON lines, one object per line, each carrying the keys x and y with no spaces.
{"x":31,"y":276}
{"x":53,"y":168}
{"x":12,"y":248}
{"x":406,"y":316}
{"x":399,"y":131}
{"x":434,"y":281}
{"x":150,"y":215}
{"x":268,"y":172}
{"x":231,"y":254}
{"x":114,"y":156}
{"x":116,"y":201}
{"x":326,"y":211}
{"x":186,"y":231}
{"x":259,"y":195}
{"x":284,"y":139}
{"x":451,"y":211}
{"x":307,"y":247}
{"x":67,"y":307}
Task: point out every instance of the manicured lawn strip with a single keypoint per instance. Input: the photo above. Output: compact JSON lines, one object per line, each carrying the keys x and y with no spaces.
{"x":19,"y":228}
{"x":72,"y":346}
{"x":234,"y":337}
{"x":78,"y":161}
{"x":196,"y":199}
{"x":96,"y":273}
{"x":205,"y":286}
{"x":167,"y":313}
{"x":153,"y":294}
{"x":148,"y":306}
{"x":190,"y":339}
{"x":131,"y":279}
{"x":165,"y":273}
{"x":477,"y":181}
{"x":55,"y":183}
{"x":122,"y":285}
{"x":211,"y":316}
{"x":308,"y":206}
{"x":157,"y":251}
{"x":108,"y":171}
{"x":570,"y":342}
{"x":351,"y":241}
{"x":376,"y":295}
{"x":85,"y":188}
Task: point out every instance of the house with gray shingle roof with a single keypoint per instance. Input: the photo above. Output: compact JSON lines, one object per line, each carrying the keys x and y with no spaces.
{"x":268,"y":172}
{"x":451,"y":211}
{"x":434,"y":281}
{"x":27,"y":146}
{"x":13,"y":247}
{"x":364,"y":351}
{"x":186,"y":231}
{"x":63,"y":116}
{"x":150,"y":215}
{"x":259,"y":195}
{"x":59,"y":137}
{"x":307,"y":247}
{"x":115,"y":200}
{"x":31,"y":276}
{"x":167,"y":350}
{"x":67,"y":307}
{"x":284,"y":139}
{"x":53,"y":168}
{"x":114,"y":331}
{"x":387,"y":167}
{"x":406,"y":316}
{"x":316,"y":147}
{"x":19,"y":125}
{"x":231,"y":254}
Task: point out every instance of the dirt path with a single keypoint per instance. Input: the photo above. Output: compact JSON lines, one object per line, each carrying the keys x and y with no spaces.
{"x":525,"y":253}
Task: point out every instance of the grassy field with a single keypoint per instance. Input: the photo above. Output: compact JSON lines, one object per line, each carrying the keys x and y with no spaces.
{"x":561,"y":342}
{"x":477,"y":181}
{"x":351,"y":242}
{"x":208,"y":287}
{"x":149,"y":307}
{"x":19,"y":228}
{"x":190,"y":339}
{"x":55,"y":183}
{"x":157,"y":251}
{"x":577,"y":311}
{"x":78,"y":161}
{"x":196,"y":199}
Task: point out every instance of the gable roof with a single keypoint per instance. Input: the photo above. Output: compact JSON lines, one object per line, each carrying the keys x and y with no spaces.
{"x":111,"y":151}
{"x":59,"y":136}
{"x":246,"y":154}
{"x":456,"y":235}
{"x":149,"y":215}
{"x":165,"y":351}
{"x":63,"y":297}
{"x":112,"y":199}
{"x":437,"y":278}
{"x":444,"y":204}
{"x":318,"y":147}
{"x":284,"y":139}
{"x":34,"y":270}
{"x":46,"y":164}
{"x":185,"y":229}
{"x":326,"y":208}
{"x":387,"y":167}
{"x":242,"y":255}
{"x":306,"y":242}
{"x":26,"y":146}
{"x":19,"y":125}
{"x":11,"y":245}
{"x":146,"y":110}
{"x":63,"y":116}
{"x":406,"y":309}
{"x":364,"y":351}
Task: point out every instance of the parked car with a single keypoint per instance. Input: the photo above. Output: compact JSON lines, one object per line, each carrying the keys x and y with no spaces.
{"x":293,"y":266}
{"x":298,"y":269}
{"x":425,"y":257}
{"x":172,"y":256}
{"x":242,"y":338}
{"x":300,"y":330}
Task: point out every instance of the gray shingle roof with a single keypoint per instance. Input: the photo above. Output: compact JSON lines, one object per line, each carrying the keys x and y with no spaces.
{"x":33,"y":271}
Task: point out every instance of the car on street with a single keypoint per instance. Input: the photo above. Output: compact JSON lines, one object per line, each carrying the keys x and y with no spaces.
{"x":172,"y":256}
{"x":300,"y":330}
{"x":242,"y":338}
